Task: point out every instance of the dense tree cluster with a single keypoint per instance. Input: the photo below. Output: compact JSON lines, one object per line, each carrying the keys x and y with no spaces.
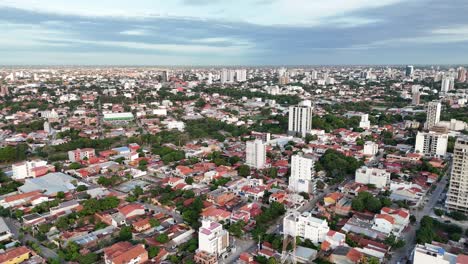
{"x":337,"y":165}
{"x":431,"y":230}
{"x":366,"y":201}
{"x":93,"y":205}
{"x":13,"y":154}
{"x":239,"y":93}
{"x":331,"y":122}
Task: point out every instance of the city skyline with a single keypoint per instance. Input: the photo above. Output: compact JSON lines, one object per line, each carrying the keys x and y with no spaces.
{"x":198,"y":32}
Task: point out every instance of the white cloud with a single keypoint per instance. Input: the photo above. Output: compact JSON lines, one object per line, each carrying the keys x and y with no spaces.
{"x":455,"y":34}
{"x":275,"y":12}
{"x":135,"y":32}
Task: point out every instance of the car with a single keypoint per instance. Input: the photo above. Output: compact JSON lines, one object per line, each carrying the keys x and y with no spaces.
{"x":447,"y":221}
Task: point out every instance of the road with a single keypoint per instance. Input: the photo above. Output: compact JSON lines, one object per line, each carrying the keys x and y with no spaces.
{"x":15,"y":226}
{"x":410,"y":236}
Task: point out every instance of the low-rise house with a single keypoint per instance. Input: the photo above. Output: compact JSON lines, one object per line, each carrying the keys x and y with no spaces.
{"x":124,"y":253}
{"x":333,"y":240}
{"x":132,"y":210}
{"x":19,"y":199}
{"x":343,"y":206}
{"x":220,"y":196}
{"x":215,"y":214}
{"x":203,"y":257}
{"x":332,"y":198}
{"x":345,"y":255}
{"x":16,"y":255}
{"x":5,"y":232}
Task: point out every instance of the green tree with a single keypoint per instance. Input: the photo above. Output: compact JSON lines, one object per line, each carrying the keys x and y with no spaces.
{"x":125,"y":233}
{"x":162,"y":238}
{"x":153,"y":251}
{"x":154,"y":222}
{"x":243,"y":170}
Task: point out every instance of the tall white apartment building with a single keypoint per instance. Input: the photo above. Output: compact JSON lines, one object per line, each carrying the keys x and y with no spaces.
{"x":305,"y":226}
{"x":457,"y":195}
{"x":302,"y":172}
{"x":432,"y":114}
{"x":448,"y":83}
{"x":256,"y":154}
{"x":241,"y":75}
{"x":431,"y":144}
{"x":370,"y":148}
{"x":25,"y":169}
{"x":314,"y":75}
{"x":300,"y":119}
{"x":364,"y":123}
{"x":212,"y":238}
{"x":378,"y":177}
{"x":227,"y":76}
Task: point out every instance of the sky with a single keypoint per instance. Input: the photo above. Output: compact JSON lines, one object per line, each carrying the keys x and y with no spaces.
{"x":226,"y":32}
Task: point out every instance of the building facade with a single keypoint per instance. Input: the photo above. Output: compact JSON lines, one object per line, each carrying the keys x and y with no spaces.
{"x":300,"y":119}
{"x":378,"y":177}
{"x":212,"y":238}
{"x":302,"y":172}
{"x":433,"y":114}
{"x":431,"y":144}
{"x":256,"y":154}
{"x":305,"y":226}
{"x":457,"y":195}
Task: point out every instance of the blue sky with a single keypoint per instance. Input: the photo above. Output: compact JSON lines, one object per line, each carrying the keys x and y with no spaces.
{"x":241,"y":32}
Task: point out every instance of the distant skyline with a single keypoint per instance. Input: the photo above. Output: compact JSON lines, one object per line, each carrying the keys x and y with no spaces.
{"x":243,"y":32}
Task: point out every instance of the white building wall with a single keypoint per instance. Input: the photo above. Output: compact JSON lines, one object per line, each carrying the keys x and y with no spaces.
{"x":378,"y":177}
{"x":256,"y":154}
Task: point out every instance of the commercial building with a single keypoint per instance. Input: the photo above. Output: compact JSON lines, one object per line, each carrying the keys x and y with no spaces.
{"x":302,"y":172}
{"x":409,"y":70}
{"x":378,"y":177}
{"x":300,"y":119}
{"x":256,"y":154}
{"x":126,"y":116}
{"x":305,"y":226}
{"x":457,"y":195}
{"x":212,"y":238}
{"x":432,"y":114}
{"x":431,"y":144}
{"x":30,"y":169}
{"x":50,"y":184}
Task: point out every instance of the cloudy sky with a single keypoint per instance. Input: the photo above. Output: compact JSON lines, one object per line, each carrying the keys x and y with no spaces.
{"x":226,"y":32}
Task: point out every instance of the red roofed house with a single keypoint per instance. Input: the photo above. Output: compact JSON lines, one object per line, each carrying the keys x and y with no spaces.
{"x":401,"y":217}
{"x":16,"y":255}
{"x":333,"y":240}
{"x":125,"y":253}
{"x":132,"y":210}
{"x":383,"y":223}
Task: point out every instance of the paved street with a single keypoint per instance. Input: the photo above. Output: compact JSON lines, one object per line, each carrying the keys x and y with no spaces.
{"x":410,"y":236}
{"x":15,"y":226}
